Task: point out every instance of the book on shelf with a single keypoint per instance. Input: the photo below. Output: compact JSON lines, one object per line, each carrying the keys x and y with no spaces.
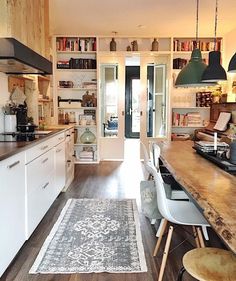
{"x":194,"y":119}
{"x":188,"y":45}
{"x":73,"y":44}
{"x":190,"y":119}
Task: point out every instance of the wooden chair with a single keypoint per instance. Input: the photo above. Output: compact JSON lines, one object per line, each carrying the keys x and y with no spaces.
{"x":209,"y":264}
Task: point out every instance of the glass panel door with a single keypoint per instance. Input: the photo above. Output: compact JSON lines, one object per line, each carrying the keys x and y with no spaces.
{"x":112,"y":106}
{"x":132,"y":102}
{"x":109,"y":100}
{"x":156,"y":100}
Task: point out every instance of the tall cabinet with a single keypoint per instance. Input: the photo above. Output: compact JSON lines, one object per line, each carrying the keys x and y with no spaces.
{"x":75,"y":83}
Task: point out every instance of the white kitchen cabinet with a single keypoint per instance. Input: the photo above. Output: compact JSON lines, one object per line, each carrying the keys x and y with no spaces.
{"x":40,"y":178}
{"x":12,"y":202}
{"x":60,"y":169}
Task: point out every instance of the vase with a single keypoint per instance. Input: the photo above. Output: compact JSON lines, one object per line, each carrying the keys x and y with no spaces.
{"x":155,"y":45}
{"x":87,"y":137}
{"x":113,"y":45}
{"x":134,"y":45}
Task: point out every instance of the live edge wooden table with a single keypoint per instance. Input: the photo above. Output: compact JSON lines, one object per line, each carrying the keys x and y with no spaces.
{"x":212,"y":189}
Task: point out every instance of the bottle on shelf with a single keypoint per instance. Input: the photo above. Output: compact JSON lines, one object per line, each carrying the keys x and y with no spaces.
{"x":67,"y":119}
{"x":87,"y":137}
{"x":72,"y":117}
{"x":113,"y":45}
{"x":61,"y":118}
{"x":155,"y":45}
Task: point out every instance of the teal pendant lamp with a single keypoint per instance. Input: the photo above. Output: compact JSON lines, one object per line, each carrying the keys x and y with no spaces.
{"x":214,"y":71}
{"x":191,"y":74}
{"x":232,"y":64}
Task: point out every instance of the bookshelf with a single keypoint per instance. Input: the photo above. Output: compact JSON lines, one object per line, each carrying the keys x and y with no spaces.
{"x":75,"y":84}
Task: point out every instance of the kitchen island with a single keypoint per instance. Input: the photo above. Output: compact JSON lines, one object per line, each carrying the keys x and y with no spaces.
{"x":212,"y":189}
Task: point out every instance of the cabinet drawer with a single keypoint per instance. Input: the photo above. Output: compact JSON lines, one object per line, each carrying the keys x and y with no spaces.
{"x":38,"y":170}
{"x":59,"y":138}
{"x":38,"y":202}
{"x":39,"y":149}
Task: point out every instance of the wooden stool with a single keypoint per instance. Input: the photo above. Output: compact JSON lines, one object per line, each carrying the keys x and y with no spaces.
{"x":210,"y":264}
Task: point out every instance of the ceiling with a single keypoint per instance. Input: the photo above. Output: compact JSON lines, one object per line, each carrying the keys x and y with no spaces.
{"x":140,"y":17}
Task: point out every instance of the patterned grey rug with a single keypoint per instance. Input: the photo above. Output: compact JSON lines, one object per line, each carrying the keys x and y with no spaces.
{"x":94,"y":235}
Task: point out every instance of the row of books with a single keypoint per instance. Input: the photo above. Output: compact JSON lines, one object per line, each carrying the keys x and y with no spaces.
{"x":189,"y":45}
{"x":208,"y":147}
{"x":73,"y":44}
{"x":191,"y":119}
{"x":77,"y":64}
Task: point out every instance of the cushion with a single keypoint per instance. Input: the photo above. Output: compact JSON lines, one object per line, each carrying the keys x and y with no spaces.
{"x":112,"y":125}
{"x":149,"y":199}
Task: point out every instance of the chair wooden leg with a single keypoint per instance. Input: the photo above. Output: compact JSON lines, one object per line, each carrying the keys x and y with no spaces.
{"x":200,"y":237}
{"x":160,"y":227}
{"x":164,"y":224}
{"x":181,"y":273}
{"x":196,"y":237}
{"x":165,"y":254}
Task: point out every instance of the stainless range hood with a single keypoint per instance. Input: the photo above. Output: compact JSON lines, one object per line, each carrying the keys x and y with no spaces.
{"x":16,"y":58}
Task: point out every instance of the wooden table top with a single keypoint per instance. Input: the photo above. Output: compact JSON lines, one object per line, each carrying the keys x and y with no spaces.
{"x":213,"y":189}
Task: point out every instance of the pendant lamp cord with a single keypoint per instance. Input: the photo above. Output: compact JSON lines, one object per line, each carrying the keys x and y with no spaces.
{"x":197,"y":21}
{"x":216,"y":16}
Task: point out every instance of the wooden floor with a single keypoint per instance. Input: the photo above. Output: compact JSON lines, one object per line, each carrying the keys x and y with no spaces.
{"x":106,"y":180}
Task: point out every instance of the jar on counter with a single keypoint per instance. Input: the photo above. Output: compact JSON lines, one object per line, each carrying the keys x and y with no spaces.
{"x":72,"y":117}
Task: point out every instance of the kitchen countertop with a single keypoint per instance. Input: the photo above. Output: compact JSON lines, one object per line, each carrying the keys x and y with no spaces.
{"x":8,"y":148}
{"x":212,"y":189}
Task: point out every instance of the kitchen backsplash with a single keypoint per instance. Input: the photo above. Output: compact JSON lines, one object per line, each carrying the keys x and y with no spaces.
{"x":4,"y":97}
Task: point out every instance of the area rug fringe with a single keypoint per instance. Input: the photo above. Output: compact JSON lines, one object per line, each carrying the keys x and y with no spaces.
{"x":43,"y":250}
{"x":139,"y":238}
{"x":53,"y":231}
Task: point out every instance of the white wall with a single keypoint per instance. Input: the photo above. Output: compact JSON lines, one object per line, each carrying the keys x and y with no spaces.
{"x":4,"y":97}
{"x":229,"y":50}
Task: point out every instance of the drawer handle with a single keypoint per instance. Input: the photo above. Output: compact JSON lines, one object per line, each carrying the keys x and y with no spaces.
{"x":68,"y":161}
{"x":46,"y":184}
{"x":61,"y":138}
{"x":45,"y":160}
{"x":73,"y":132}
{"x":58,"y":150}
{"x":68,"y":135}
{"x":13,"y":164}
{"x":44,"y":147}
